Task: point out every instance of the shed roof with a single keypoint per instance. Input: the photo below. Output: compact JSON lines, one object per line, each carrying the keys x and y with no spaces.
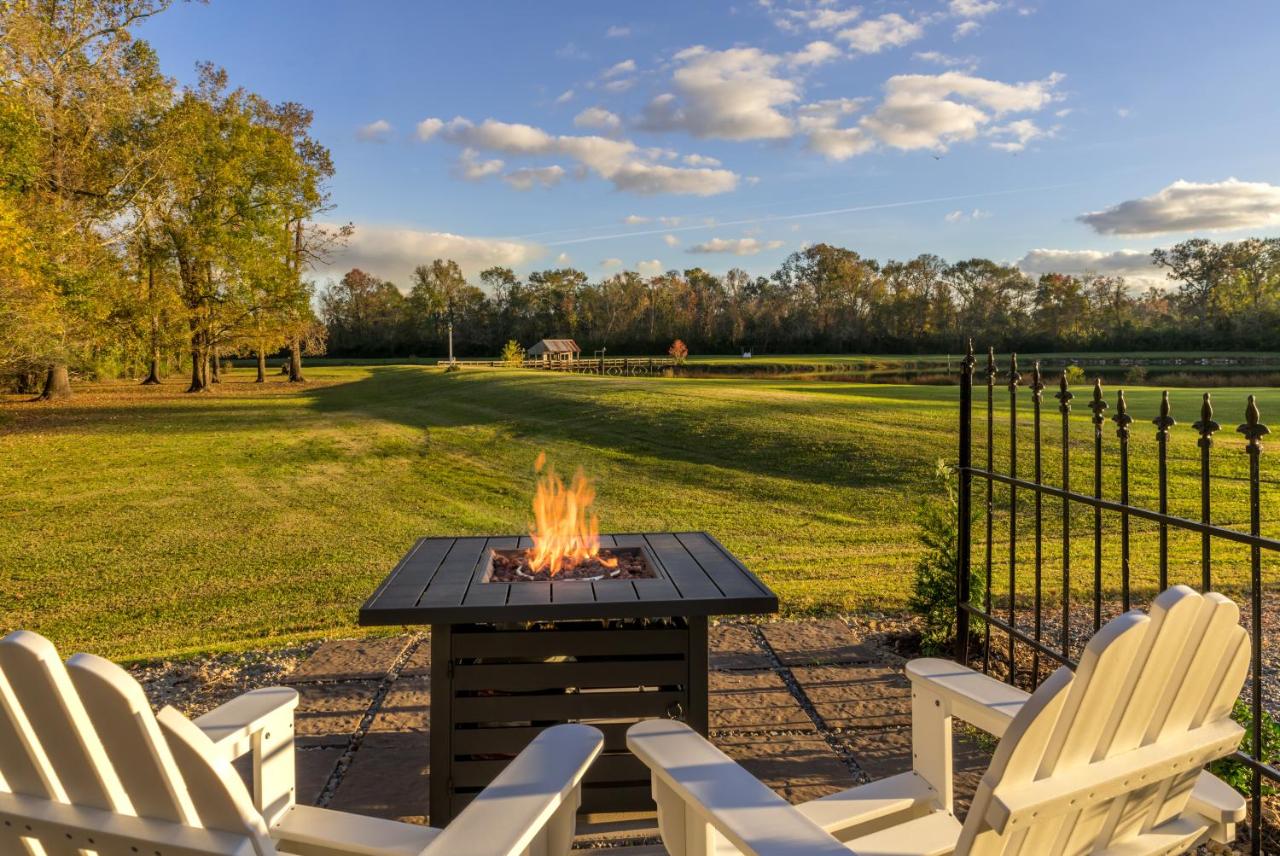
{"x":554,"y":346}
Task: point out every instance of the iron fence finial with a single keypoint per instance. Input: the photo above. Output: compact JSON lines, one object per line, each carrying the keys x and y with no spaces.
{"x":1164,"y":421}
{"x":969,"y":359}
{"x":1064,"y":395}
{"x":1122,"y":417}
{"x":991,"y":365}
{"x":1037,"y":383}
{"x":1098,"y":404}
{"x":1253,"y":429}
{"x":1206,"y":426}
{"x":1014,"y":377}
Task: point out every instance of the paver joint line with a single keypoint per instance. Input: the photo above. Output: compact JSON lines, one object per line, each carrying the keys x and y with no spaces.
{"x":797,"y":691}
{"x":375,"y":705}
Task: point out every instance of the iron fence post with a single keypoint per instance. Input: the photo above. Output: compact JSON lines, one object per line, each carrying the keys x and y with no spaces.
{"x":1254,"y":431}
{"x":964,"y":531}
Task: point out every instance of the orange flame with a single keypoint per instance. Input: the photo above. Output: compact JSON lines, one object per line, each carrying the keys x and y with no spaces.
{"x":565,"y":531}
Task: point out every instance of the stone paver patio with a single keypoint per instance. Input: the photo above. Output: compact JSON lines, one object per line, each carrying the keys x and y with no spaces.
{"x":809,"y":707}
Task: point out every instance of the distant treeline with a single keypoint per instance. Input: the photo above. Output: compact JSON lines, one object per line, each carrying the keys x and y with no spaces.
{"x":822,"y":299}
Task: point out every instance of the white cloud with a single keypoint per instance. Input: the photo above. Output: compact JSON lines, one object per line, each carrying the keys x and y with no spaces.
{"x":618,"y":161}
{"x":946,"y":60}
{"x":653,"y":267}
{"x":428,"y":128}
{"x":611,"y":263}
{"x":1123,"y":112}
{"x":571,"y":51}
{"x":821,"y":120}
{"x":375,"y":132}
{"x":1014,"y":136}
{"x":822,"y":18}
{"x":923,"y":111}
{"x":622,"y":84}
{"x":814,"y":53}
{"x":599,"y":118}
{"x":887,"y":31}
{"x":564,"y":97}
{"x":972,"y":8}
{"x":700,"y":160}
{"x":960,"y":215}
{"x":736,"y":246}
{"x":648,"y":179}
{"x":1134,"y":265}
{"x":528,"y":178}
{"x":635,"y":219}
{"x":1186,"y":206}
{"x":731,"y":94}
{"x":392,"y":252}
{"x":625,"y":67}
{"x":671,"y":240}
{"x":617,"y":32}
{"x":563,"y":259}
{"x":471,"y":168}
{"x":964,"y":29}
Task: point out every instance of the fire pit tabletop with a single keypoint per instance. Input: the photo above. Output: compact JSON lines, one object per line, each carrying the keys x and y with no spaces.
{"x":442,"y":581}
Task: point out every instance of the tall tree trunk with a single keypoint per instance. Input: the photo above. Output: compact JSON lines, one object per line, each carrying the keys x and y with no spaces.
{"x":295,"y":345}
{"x":197,"y":361}
{"x":295,"y":362}
{"x":215,"y":363}
{"x":57,"y":383}
{"x":153,"y":376}
{"x":262,"y":366}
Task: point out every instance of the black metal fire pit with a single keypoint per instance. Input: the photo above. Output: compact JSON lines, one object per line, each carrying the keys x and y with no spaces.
{"x":510,"y":659}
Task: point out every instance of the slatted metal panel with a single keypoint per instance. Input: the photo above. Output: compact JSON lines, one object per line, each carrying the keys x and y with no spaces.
{"x":494,"y":689}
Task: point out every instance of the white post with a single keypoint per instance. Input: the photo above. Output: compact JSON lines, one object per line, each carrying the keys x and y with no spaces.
{"x":450,"y":343}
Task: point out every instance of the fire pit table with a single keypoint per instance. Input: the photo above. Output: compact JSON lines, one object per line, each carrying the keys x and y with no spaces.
{"x":509,"y":659}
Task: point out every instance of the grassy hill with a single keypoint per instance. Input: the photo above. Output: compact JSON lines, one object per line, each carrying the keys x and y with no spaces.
{"x":142,"y":521}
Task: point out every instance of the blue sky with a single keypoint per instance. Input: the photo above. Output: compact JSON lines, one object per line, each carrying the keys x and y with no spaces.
{"x":667,"y":135}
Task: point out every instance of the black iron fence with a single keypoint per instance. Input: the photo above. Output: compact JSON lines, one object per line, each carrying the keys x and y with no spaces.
{"x":1035,"y":616}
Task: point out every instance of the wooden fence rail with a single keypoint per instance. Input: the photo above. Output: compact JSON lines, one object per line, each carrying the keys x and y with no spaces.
{"x":618,"y":366}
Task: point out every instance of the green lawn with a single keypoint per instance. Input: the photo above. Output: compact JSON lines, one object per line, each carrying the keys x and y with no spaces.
{"x":141,"y":521}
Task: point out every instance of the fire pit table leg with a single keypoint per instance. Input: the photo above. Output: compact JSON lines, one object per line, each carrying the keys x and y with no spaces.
{"x":441,"y":763}
{"x":697,"y":717}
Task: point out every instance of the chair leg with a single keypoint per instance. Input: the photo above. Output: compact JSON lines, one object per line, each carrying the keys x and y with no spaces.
{"x":684,"y":832}
{"x":931,"y":749}
{"x":273,"y":767}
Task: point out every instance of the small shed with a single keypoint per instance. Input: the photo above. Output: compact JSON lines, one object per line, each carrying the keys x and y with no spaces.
{"x":554,"y":350}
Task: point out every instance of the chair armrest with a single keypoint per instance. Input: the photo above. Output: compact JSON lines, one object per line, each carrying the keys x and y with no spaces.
{"x":259,"y":722}
{"x":702,"y":793}
{"x":978,"y":699}
{"x":532,"y":805}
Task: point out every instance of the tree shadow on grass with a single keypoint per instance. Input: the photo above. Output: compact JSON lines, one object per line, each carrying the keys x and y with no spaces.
{"x":640,"y":417}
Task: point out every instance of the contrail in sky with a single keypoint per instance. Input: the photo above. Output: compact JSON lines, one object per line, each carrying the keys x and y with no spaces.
{"x":807,"y":214}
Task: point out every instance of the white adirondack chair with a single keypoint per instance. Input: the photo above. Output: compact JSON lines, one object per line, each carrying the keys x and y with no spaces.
{"x":1105,"y":760}
{"x":87,"y":768}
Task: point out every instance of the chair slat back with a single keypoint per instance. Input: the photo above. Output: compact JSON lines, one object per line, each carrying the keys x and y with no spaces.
{"x":79,"y":745}
{"x":127,"y":728}
{"x":1108,"y":755}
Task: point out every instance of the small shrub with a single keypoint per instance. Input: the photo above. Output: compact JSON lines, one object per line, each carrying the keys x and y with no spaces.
{"x":1236,"y":774}
{"x":933,"y":593}
{"x":1075,"y":375}
{"x":679,"y":351}
{"x":512,"y":353}
{"x":1136,"y":375}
